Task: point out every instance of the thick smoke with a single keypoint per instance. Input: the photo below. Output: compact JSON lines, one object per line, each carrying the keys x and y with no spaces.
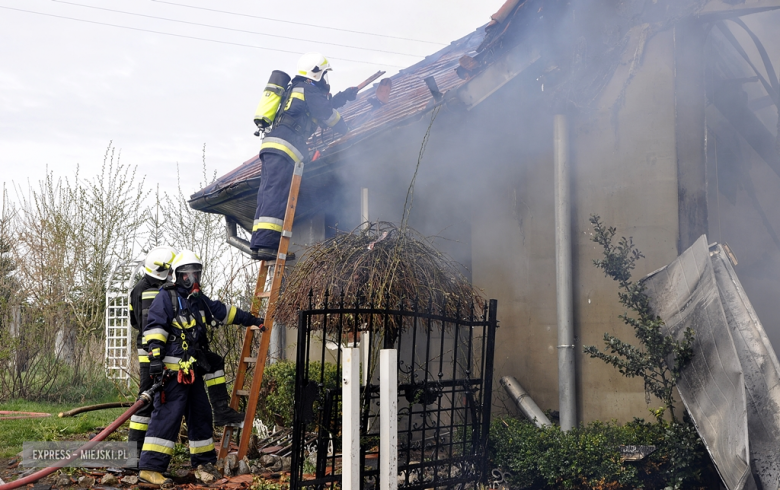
{"x":484,"y":186}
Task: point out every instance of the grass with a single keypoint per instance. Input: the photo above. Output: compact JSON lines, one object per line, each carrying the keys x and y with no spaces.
{"x":14,"y":432}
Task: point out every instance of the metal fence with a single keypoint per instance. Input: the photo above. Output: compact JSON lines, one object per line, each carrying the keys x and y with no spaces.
{"x":445,"y":374}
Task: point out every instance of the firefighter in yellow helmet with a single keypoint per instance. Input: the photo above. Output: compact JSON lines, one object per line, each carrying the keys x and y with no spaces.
{"x":307,"y":104}
{"x":156,"y":267}
{"x":175,"y":335}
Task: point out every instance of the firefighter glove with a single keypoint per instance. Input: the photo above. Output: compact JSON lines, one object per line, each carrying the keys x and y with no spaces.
{"x":343,"y":97}
{"x":351,"y":93}
{"x":258,"y":322}
{"x":155,"y":367}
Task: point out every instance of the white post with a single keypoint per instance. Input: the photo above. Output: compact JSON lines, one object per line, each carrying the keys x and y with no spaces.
{"x":365,"y":347}
{"x":350,"y":419}
{"x":364,"y":207}
{"x":388,"y":419}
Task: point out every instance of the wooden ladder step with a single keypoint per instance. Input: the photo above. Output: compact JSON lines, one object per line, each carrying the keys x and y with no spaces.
{"x":250,"y":359}
{"x":242,"y":392}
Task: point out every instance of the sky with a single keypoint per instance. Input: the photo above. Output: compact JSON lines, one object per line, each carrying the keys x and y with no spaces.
{"x":159,"y":79}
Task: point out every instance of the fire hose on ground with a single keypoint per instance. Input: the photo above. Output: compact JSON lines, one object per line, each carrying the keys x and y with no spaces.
{"x":11,"y":415}
{"x":91,"y":408}
{"x":145,"y":397}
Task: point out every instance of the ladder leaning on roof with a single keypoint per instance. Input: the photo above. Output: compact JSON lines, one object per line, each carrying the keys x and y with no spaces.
{"x":276,"y":269}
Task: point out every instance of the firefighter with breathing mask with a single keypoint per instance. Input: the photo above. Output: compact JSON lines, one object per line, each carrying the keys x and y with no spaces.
{"x":175,"y":335}
{"x":306,"y":105}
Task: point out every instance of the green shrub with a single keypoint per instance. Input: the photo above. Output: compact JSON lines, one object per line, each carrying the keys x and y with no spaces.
{"x":660,"y":359}
{"x":277,"y":392}
{"x":587,"y":457}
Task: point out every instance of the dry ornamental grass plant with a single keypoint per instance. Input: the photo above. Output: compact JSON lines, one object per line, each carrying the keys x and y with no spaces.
{"x":382,"y":265}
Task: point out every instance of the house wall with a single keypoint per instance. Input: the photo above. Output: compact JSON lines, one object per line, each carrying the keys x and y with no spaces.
{"x":485,"y":188}
{"x":625,"y":166}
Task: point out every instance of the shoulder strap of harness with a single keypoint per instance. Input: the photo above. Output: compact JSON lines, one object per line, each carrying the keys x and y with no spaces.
{"x":280,"y":110}
{"x":171,"y":288}
{"x":176,"y":304}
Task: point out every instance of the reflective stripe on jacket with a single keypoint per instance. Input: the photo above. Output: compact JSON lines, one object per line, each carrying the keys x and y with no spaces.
{"x":141,"y":297}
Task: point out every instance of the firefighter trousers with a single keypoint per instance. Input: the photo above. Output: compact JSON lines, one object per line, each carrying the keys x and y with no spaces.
{"x":275,"y":180}
{"x":179,"y":400}
{"x":139,"y":422}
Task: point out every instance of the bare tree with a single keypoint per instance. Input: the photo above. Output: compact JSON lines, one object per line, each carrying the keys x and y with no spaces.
{"x":58,"y":246}
{"x":71,"y":233}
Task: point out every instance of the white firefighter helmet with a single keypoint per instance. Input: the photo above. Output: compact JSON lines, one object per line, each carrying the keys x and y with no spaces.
{"x":313,"y":65}
{"x":158,"y":261}
{"x":188,"y":268}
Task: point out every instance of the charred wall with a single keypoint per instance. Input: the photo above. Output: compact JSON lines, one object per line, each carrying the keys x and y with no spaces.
{"x":484,"y":189}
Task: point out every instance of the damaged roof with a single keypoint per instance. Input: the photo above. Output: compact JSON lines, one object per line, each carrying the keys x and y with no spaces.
{"x":572,"y":70}
{"x":410,"y":98}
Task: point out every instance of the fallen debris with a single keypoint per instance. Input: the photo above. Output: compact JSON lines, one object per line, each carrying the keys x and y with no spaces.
{"x":207,"y":473}
{"x":130,"y":480}
{"x":109,"y":479}
{"x":524,"y":402}
{"x":731,"y":388}
{"x":86,"y":482}
{"x":635,"y":453}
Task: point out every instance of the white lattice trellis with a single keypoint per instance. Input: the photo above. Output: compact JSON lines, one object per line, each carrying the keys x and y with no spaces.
{"x":119,"y":345}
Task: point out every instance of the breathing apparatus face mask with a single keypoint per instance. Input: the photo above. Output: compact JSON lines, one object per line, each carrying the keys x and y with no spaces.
{"x":188,"y":277}
{"x":323,"y":82}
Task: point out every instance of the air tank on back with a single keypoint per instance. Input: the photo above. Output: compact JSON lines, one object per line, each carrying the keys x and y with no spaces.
{"x":271,"y":100}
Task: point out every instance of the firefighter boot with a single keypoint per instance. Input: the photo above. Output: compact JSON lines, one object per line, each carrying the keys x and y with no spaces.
{"x":223,"y":414}
{"x":154,"y":477}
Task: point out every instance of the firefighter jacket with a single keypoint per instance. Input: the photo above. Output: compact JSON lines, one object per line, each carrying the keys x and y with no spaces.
{"x":180,"y":338}
{"x":141,"y":298}
{"x":306,"y":107}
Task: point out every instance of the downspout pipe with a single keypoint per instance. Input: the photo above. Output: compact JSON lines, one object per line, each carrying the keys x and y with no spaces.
{"x":567,"y":402}
{"x":524,"y":402}
{"x":233,"y":239}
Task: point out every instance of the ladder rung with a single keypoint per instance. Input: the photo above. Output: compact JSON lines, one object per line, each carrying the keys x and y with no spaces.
{"x":254,"y":327}
{"x":250,"y":359}
{"x":242,"y":392}
{"x":264,"y":294}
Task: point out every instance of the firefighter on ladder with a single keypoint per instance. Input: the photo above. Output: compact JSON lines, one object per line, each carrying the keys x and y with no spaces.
{"x":175,"y":335}
{"x":307,"y":105}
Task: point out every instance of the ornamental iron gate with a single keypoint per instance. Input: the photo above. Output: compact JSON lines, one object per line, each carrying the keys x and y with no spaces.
{"x":445,"y":375}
